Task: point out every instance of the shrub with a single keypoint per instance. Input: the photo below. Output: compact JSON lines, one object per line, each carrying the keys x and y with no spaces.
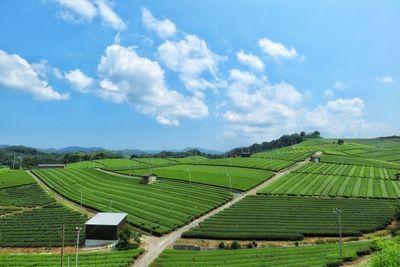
{"x":235,"y":245}
{"x":221,"y":245}
{"x":124,"y":238}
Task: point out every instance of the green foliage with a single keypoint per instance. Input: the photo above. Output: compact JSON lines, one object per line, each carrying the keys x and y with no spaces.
{"x":157,"y":208}
{"x":124,"y":238}
{"x":109,"y":259}
{"x":235,"y":245}
{"x":13,"y":178}
{"x":222,"y":245}
{"x":315,"y":255}
{"x":289,"y":218}
{"x":389,"y":256}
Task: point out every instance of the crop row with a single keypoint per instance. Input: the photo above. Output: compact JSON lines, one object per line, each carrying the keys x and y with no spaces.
{"x":223,"y":176}
{"x":316,"y":255}
{"x":103,"y":259}
{"x":24,"y":196}
{"x":292,"y":218}
{"x":349,"y":170}
{"x":358,"y":161}
{"x":333,"y":185}
{"x":158,"y":208}
{"x":40,"y":227}
{"x":288,"y":155}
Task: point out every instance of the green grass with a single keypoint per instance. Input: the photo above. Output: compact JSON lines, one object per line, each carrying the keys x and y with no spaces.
{"x":157,"y":208}
{"x":291,"y":218}
{"x":103,"y":259}
{"x":302,"y":184}
{"x":241,"y":178}
{"x":10,"y":178}
{"x":314,"y":255}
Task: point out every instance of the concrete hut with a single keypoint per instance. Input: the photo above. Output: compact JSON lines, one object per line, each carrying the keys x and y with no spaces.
{"x":149,"y":178}
{"x":315,"y":159}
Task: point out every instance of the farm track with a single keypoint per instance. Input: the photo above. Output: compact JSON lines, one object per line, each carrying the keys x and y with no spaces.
{"x":62,"y":199}
{"x":156,"y":245}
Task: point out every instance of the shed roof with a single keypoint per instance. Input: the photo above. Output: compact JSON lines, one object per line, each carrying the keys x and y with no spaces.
{"x":107,"y":218}
{"x":51,"y":165}
{"x":148,"y":174}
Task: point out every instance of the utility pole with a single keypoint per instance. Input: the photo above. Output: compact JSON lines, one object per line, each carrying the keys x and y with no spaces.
{"x":62,"y":245}
{"x":338,"y":212}
{"x":109,"y":198}
{"x":230,"y":182}
{"x":13,"y":163}
{"x":81,"y":198}
{"x":77,"y":245}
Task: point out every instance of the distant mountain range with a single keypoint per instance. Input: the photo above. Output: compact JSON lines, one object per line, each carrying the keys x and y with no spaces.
{"x":71,"y":149}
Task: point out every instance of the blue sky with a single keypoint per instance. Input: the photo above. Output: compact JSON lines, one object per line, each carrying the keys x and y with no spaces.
{"x":215,"y":74}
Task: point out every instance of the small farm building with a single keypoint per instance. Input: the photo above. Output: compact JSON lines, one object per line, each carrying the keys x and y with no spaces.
{"x":46,"y":166}
{"x":102,"y":228}
{"x":315,"y":159}
{"x":149,"y":178}
{"x":245,"y":154}
{"x":398,"y":177}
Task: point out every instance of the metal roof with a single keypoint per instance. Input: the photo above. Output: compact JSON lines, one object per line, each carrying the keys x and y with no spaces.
{"x":50,"y":165}
{"x":107,"y":218}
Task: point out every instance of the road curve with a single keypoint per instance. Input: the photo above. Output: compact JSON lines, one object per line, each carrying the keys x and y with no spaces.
{"x":156,"y":245}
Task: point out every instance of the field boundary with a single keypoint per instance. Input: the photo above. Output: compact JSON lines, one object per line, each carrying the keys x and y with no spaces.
{"x":157,"y":245}
{"x":63,"y":200}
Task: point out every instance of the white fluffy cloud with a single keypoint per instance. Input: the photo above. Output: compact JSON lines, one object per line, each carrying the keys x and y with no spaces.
{"x":86,"y":10}
{"x":109,"y":16}
{"x":257,"y":107}
{"x":338,"y":117}
{"x":125,"y":77}
{"x":79,"y":80}
{"x":191,"y":58}
{"x":387,"y":79}
{"x":250,"y":60}
{"x":164,"y":28}
{"x":276,"y":50}
{"x":16,"y":73}
{"x":328,"y":93}
{"x":339,"y":85}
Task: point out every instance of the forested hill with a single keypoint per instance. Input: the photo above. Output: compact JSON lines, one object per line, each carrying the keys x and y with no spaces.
{"x":283,"y":141}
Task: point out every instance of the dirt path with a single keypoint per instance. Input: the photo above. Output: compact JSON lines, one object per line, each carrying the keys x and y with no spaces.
{"x":154,"y":246}
{"x":61,"y":199}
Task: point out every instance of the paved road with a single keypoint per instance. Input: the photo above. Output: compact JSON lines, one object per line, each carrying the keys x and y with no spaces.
{"x":156,"y":245}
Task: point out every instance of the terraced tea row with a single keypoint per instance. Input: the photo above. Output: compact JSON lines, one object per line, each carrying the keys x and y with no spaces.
{"x":252,"y":163}
{"x":359,"y":161}
{"x":157,"y":208}
{"x":292,"y":218}
{"x":229,"y":177}
{"x":103,"y":259}
{"x":40,"y":227}
{"x":33,"y":219}
{"x":349,"y":170}
{"x":317,"y":255}
{"x":285,"y":154}
{"x":332,"y":185}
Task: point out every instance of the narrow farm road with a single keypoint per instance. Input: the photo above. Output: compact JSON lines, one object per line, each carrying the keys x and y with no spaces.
{"x":156,"y":245}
